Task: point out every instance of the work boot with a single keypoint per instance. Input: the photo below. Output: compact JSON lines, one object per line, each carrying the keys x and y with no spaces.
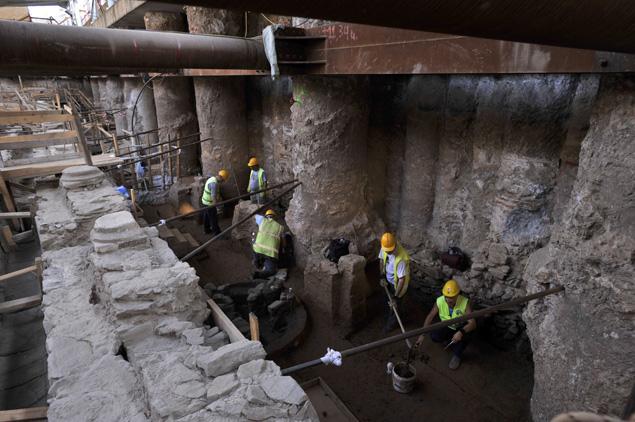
{"x":455,"y":362}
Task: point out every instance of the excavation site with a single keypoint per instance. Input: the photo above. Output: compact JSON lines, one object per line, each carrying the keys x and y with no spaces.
{"x":292,"y":211}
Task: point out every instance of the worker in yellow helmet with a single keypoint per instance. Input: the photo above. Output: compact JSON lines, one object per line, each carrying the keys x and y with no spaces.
{"x":211,"y":196}
{"x":395,"y":268}
{"x":257,"y":181}
{"x":451,"y":304}
{"x":267,"y":244}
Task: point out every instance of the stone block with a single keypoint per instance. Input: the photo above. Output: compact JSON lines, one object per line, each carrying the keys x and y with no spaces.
{"x":217,"y":340}
{"x":81,"y":177}
{"x":497,"y":254}
{"x":230,"y":357}
{"x":194,"y":336}
{"x":499,"y":272}
{"x":244,"y":231}
{"x":321,"y":285}
{"x":284,"y":389}
{"x":116,"y":231}
{"x":351,"y":309}
{"x":222,"y":386}
{"x":172,"y":327}
{"x":256,"y":368}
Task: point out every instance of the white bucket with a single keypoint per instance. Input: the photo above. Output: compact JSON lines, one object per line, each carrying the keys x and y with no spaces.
{"x":403,"y":377}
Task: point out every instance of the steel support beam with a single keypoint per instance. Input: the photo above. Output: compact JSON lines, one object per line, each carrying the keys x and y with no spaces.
{"x":31,"y":48}
{"x":590,"y":24}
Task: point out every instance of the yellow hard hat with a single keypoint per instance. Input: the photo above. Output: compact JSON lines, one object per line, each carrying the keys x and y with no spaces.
{"x":388,"y":243}
{"x":253,"y":161}
{"x":224,"y":174}
{"x":270,"y":212}
{"x":451,"y":288}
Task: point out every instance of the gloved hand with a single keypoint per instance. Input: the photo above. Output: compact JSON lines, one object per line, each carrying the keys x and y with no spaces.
{"x":383,"y":282}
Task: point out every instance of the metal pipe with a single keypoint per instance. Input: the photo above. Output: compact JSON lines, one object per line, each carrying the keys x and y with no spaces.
{"x":590,"y":24}
{"x":226,"y":201}
{"x":219,"y":235}
{"x":36,"y":47}
{"x":158,"y":154}
{"x":157,"y":145}
{"x":413,"y":333}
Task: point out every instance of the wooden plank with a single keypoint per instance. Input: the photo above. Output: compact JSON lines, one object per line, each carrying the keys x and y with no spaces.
{"x":21,"y":186}
{"x":224,"y":323}
{"x":254,"y":327}
{"x":16,"y":120}
{"x":38,"y":140}
{"x":28,"y":414}
{"x":20,"y":304}
{"x":82,"y":144}
{"x":5,"y":277}
{"x":6,"y":233}
{"x":8,"y":200}
{"x":190,"y":239}
{"x":42,"y":159}
{"x":54,"y":167}
{"x":326,"y":402}
{"x":18,"y":214}
{"x":179,"y":236}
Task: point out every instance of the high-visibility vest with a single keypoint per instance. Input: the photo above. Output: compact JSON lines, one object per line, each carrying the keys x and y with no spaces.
{"x":207,"y":199}
{"x":400,"y":256}
{"x":268,"y":238}
{"x":459,"y":309}
{"x":261,"y":181}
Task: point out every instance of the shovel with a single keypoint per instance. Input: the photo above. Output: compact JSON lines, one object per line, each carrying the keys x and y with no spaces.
{"x":394,"y":309}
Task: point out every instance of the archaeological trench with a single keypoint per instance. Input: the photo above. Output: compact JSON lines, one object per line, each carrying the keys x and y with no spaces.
{"x":532,"y":176}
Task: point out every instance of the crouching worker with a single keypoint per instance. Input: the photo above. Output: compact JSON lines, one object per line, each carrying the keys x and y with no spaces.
{"x":449,"y":306}
{"x":267,"y":244}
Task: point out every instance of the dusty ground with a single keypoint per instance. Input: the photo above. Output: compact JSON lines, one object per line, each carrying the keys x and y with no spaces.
{"x":491,"y":384}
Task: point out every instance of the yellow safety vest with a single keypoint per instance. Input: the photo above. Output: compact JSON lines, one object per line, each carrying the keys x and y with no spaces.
{"x":207,"y":199}
{"x":459,"y":309}
{"x":261,"y":182}
{"x":400,"y":255}
{"x":268,"y":238}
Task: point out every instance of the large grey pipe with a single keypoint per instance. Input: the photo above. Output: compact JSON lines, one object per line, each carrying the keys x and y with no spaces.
{"x":33,"y":47}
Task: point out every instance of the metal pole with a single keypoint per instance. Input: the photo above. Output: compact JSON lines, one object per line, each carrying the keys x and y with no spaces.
{"x":244,"y":195}
{"x":219,"y":235}
{"x":391,"y":303}
{"x":157,"y":154}
{"x":159,"y":144}
{"x":419,"y":331}
{"x":32,"y":47}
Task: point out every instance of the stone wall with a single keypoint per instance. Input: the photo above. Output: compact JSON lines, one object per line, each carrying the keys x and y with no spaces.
{"x":125,"y":330}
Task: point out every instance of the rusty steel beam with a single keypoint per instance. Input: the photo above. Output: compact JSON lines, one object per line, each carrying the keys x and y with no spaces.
{"x":363,"y":49}
{"x":31,"y":48}
{"x":589,"y":24}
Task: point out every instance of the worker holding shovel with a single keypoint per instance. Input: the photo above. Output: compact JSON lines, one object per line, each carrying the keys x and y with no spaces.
{"x":395,"y":265}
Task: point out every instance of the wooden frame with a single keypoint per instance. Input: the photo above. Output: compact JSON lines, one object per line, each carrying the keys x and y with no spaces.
{"x":25,"y":302}
{"x":28,"y":414}
{"x":224,"y":323}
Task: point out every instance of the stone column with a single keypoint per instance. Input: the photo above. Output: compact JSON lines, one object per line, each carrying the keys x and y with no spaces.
{"x":174,"y":98}
{"x":426,"y":101}
{"x":330,"y":126}
{"x":221,"y":104}
{"x":145,"y":117}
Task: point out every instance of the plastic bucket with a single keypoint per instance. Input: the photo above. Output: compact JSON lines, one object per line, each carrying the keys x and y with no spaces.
{"x":403,"y":377}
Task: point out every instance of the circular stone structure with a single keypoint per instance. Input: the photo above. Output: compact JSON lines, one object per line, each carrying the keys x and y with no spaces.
{"x":80,"y":177}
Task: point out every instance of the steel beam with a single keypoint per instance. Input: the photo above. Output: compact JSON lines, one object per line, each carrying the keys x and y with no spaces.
{"x":31,"y":48}
{"x":589,"y":24}
{"x":363,"y":49}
